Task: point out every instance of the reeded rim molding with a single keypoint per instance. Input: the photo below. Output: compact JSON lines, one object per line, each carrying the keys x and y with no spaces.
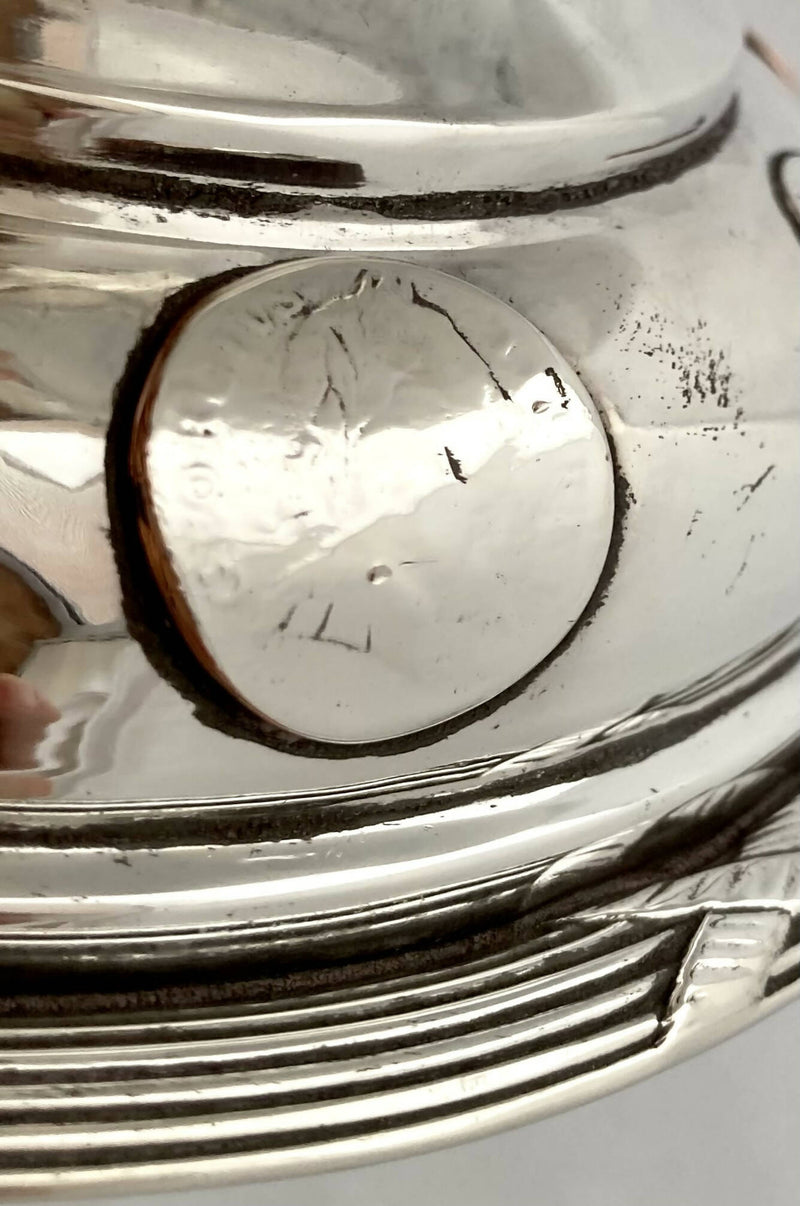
{"x":606,"y":997}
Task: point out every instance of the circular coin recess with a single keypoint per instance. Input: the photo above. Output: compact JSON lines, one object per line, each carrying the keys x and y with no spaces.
{"x":376,"y":496}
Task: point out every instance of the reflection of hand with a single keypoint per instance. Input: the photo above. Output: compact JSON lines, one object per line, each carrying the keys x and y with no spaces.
{"x":24,"y":619}
{"x":24,"y":716}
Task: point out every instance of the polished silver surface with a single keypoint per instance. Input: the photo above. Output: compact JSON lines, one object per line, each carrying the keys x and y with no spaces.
{"x":376,"y":495}
{"x":241,"y":935}
{"x":365,"y":98}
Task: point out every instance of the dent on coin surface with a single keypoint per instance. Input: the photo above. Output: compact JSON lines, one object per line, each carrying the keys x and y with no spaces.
{"x":379,"y":496}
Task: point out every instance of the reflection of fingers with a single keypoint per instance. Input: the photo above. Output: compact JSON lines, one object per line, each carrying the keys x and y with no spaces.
{"x":24,"y":787}
{"x":24,"y":716}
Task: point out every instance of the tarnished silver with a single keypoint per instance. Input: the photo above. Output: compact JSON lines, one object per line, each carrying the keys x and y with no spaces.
{"x":398,"y":576}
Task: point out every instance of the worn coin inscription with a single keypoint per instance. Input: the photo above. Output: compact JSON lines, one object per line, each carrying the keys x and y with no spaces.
{"x":378,"y":496}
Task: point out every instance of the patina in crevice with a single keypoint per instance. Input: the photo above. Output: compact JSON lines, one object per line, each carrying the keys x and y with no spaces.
{"x":174,"y":192}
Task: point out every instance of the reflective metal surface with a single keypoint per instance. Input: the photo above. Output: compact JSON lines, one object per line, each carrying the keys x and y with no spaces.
{"x":303,"y":449}
{"x":244,"y":931}
{"x":367,"y":98}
